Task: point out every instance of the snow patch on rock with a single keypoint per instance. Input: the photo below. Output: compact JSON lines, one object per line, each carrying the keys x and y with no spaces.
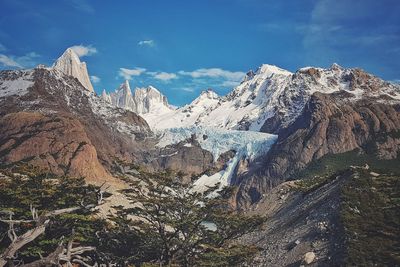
{"x":15,"y":82}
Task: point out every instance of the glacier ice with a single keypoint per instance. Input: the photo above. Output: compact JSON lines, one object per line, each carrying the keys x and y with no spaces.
{"x":247,"y":145}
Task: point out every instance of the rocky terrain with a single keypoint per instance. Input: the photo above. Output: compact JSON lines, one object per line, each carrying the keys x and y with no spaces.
{"x":50,"y":98}
{"x":329,"y":124}
{"x":266,"y":133}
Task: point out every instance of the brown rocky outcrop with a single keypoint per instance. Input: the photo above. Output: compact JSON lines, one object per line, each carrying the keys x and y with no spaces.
{"x":329,"y":124}
{"x":105,"y":134}
{"x":57,"y":143}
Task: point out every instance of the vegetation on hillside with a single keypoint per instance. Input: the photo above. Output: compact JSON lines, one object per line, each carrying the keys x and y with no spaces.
{"x":184,"y":227}
{"x":327,"y":168}
{"x":168,"y":225}
{"x":370,"y":214}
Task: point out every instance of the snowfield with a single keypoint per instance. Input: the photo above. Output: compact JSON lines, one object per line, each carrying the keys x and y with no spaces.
{"x":247,"y":145}
{"x":15,"y":83}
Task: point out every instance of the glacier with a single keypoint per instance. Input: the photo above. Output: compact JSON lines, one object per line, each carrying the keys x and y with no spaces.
{"x":247,"y":144}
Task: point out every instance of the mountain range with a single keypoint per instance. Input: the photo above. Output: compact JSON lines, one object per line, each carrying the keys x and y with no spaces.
{"x":269,"y":130}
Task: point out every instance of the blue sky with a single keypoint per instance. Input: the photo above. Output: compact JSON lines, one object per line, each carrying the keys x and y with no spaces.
{"x":183,"y":47}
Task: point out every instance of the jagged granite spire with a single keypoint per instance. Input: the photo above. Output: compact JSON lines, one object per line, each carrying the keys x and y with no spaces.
{"x":141,"y":100}
{"x":70,"y":64}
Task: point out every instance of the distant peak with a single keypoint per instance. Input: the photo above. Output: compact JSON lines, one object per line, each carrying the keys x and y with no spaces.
{"x":70,"y":64}
{"x":125,"y":87}
{"x":126,"y":83}
{"x":267,"y":69}
{"x":209,"y":93}
{"x":152,"y":88}
{"x":69,"y":54}
{"x":336,"y":66}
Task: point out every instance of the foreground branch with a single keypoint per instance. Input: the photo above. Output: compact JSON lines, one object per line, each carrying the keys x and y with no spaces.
{"x":17,"y":242}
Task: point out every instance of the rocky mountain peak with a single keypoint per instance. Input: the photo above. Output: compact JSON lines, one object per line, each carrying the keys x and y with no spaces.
{"x":70,"y":64}
{"x":141,"y":100}
{"x":209,"y":93}
{"x":125,"y":88}
{"x":106,"y":96}
{"x":249,"y":75}
{"x":336,"y":66}
{"x":269,"y":70}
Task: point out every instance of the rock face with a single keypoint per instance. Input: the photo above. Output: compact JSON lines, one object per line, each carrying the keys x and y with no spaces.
{"x":50,"y":120}
{"x":329,"y":124}
{"x":112,"y":135}
{"x":70,"y":64}
{"x":57,"y":143}
{"x":300,"y":222}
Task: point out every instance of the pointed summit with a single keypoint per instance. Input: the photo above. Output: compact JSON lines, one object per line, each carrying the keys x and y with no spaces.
{"x":209,"y":93}
{"x":106,"y":96}
{"x":268,"y":70}
{"x":70,"y":64}
{"x":150,"y":99}
{"x":122,"y":97}
{"x":125,"y":87}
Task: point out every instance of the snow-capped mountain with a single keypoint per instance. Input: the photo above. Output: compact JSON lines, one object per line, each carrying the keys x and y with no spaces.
{"x":327,"y":111}
{"x":271,"y":98}
{"x":185,"y":116}
{"x":70,"y":64}
{"x":142,"y":101}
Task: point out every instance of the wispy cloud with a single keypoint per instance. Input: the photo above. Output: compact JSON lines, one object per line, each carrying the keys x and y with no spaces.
{"x":95,"y":79}
{"x":189,"y":81}
{"x":2,"y":47}
{"x":9,"y":62}
{"x":214,"y":73}
{"x":150,"y":43}
{"x":82,"y":50}
{"x":82,"y":5}
{"x":127,"y":74}
{"x":163,"y":76}
{"x":230,"y":84}
{"x":25,"y":61}
{"x":188,"y":89}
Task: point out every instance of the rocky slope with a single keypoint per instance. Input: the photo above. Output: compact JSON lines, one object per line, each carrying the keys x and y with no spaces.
{"x":51,"y":99}
{"x":111,"y":137}
{"x":272,"y":98}
{"x":313,"y":111}
{"x":329,"y":124}
{"x":57,"y":143}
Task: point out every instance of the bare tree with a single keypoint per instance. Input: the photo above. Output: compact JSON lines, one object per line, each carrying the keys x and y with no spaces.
{"x":62,"y":254}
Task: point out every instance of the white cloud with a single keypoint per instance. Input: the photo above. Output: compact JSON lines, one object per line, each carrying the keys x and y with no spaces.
{"x":8,"y":62}
{"x":82,"y":50}
{"x":149,"y":43}
{"x":25,"y":61}
{"x":215,"y":73}
{"x":163,"y":76}
{"x":128,"y":73}
{"x":230,"y":84}
{"x":95,"y":79}
{"x":187,"y":89}
{"x":2,"y":47}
